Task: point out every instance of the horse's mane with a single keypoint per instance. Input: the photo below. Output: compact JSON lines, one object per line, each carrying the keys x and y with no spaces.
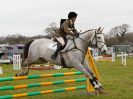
{"x":87,"y":31}
{"x":47,"y":36}
{"x":50,"y":36}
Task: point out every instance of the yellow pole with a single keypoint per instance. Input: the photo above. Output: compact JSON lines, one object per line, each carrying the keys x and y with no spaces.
{"x":92,"y":64}
{"x":88,"y":84}
{"x":94,"y":69}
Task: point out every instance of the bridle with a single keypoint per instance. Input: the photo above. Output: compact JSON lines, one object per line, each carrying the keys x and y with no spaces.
{"x":97,"y":41}
{"x":94,"y":38}
{"x":88,"y":43}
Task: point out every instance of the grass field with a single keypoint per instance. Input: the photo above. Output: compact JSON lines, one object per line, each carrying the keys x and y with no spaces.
{"x":117,"y":80}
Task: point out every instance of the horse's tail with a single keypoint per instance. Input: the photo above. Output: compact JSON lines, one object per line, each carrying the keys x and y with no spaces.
{"x":26,"y":49}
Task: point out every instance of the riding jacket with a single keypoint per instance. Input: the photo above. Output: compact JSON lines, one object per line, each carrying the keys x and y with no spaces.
{"x":67,"y":28}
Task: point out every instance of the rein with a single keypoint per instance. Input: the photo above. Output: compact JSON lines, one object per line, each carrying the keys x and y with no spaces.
{"x":89,"y":43}
{"x":94,"y":38}
{"x":75,"y":46}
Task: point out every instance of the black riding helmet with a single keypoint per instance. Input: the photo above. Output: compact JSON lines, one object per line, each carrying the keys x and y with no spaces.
{"x":72,"y":14}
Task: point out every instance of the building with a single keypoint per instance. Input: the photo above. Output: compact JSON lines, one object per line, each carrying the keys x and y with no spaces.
{"x":7,"y":51}
{"x":123,"y":48}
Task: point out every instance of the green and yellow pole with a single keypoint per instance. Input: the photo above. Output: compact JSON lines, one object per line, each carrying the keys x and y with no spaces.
{"x":39,"y":76}
{"x":41,"y":92}
{"x":41,"y":84}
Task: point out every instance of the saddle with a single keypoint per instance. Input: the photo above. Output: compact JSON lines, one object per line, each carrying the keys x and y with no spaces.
{"x":58,"y":44}
{"x":61,"y":54}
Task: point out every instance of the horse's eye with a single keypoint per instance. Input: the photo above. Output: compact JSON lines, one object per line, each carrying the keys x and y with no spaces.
{"x":99,"y":37}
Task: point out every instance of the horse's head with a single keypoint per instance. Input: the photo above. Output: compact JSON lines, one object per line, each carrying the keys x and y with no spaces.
{"x":98,"y":40}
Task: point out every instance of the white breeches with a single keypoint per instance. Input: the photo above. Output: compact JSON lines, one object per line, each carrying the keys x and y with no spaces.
{"x":61,"y":40}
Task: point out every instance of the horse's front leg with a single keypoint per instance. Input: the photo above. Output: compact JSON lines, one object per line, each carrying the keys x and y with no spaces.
{"x":94,"y":78}
{"x":87,"y":67}
{"x":76,"y":62}
{"x":88,"y":74}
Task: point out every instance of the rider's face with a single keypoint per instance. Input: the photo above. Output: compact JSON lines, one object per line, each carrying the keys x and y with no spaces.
{"x":73,"y":19}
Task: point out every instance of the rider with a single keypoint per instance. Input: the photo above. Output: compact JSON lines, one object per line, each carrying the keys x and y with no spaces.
{"x":67,"y":28}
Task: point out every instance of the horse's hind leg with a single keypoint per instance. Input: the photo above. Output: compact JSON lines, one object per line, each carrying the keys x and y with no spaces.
{"x":26,"y":64}
{"x":24,"y":68}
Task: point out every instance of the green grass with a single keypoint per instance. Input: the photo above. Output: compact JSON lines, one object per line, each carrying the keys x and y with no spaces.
{"x":117,"y":80}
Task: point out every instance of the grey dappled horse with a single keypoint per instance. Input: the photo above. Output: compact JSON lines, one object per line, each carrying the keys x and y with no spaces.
{"x":74,"y":53}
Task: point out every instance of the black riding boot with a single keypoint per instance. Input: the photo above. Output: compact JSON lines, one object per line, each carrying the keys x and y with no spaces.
{"x":56,"y":52}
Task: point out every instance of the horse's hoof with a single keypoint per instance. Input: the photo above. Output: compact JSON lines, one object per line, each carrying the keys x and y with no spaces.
{"x":88,"y":93}
{"x":16,"y":75}
{"x":101,"y":91}
{"x":96,"y":92}
{"x":20,"y":74}
{"x":101,"y":87}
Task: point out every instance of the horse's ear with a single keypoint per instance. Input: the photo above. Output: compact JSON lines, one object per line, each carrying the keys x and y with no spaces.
{"x":102,"y":29}
{"x":98,"y":29}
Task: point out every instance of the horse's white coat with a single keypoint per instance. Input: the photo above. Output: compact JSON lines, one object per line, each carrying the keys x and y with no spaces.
{"x":44,"y":48}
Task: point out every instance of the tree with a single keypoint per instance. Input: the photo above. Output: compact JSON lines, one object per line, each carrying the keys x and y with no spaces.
{"x":119,"y":32}
{"x":15,"y":38}
{"x":51,"y":29}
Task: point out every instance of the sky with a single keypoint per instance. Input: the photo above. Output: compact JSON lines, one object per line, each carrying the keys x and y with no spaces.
{"x":31,"y":17}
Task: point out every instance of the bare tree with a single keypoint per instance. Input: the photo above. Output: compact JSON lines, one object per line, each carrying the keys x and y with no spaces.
{"x":51,"y":29}
{"x":15,"y":39}
{"x":119,"y":32}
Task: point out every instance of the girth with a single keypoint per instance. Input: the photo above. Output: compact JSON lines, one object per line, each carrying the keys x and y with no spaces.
{"x":63,"y":61}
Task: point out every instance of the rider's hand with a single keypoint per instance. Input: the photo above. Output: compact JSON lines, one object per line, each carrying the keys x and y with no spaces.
{"x":77,"y":35}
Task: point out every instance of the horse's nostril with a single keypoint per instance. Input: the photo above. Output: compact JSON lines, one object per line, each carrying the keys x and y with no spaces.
{"x":104,"y":51}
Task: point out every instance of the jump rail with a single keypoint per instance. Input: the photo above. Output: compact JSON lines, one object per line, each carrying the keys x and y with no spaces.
{"x":39,"y":76}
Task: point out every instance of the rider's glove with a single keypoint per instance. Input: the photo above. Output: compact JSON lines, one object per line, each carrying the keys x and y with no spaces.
{"x":76,"y":35}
